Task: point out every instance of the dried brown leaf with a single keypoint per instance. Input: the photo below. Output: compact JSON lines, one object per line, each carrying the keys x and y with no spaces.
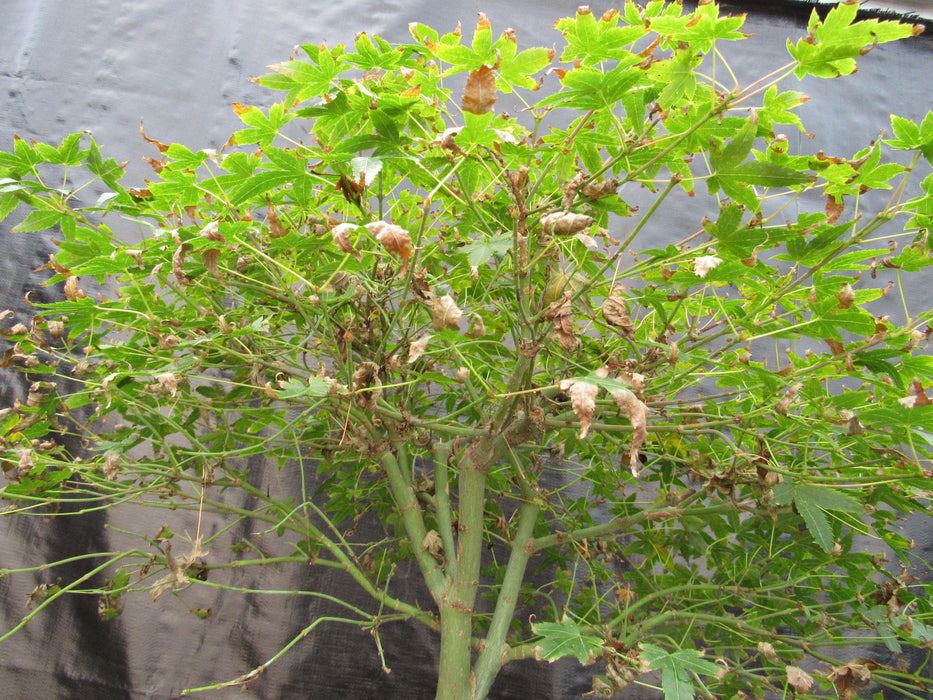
{"x":276,"y":229}
{"x":703,"y":264}
{"x":766,"y":649}
{"x":846,"y":296}
{"x":783,"y":405}
{"x":583,"y":401}
{"x":394,"y":239}
{"x":565,"y":223}
{"x":211,"y":232}
{"x":446,"y":313}
{"x":560,"y":313}
{"x":834,"y":209}
{"x":800,"y":680}
{"x":341,"y":234}
{"x":167,"y":383}
{"x":111,"y":466}
{"x":597,"y":190}
{"x":178,"y":264}
{"x":479,"y":95}
{"x":637,"y":413}
{"x":615,"y":312}
{"x":158,"y":144}
{"x":852,"y":677}
{"x":210,"y":257}
{"x":72,"y":290}
{"x":367,"y":385}
{"x":416,"y":349}
{"x":477,"y":327}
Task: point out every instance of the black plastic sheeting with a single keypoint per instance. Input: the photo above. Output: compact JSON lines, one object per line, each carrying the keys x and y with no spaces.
{"x":101,"y":65}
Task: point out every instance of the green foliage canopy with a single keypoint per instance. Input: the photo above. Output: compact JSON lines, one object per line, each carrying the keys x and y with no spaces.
{"x":426,"y":308}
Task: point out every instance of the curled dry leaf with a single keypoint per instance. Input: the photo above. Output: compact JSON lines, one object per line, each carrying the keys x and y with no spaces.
{"x":560,"y":313}
{"x":433,"y":544}
{"x":766,"y":649}
{"x":167,"y":384}
{"x":416,"y":349}
{"x":784,"y":403}
{"x":211,"y":232}
{"x":583,"y":401}
{"x":158,"y":144}
{"x":111,"y":466}
{"x":570,"y":191}
{"x":178,"y":264}
{"x":477,"y":327}
{"x":446,"y":313}
{"x":479,"y":94}
{"x":596,"y":190}
{"x":341,"y":234}
{"x":615,"y":312}
{"x":800,"y":680}
{"x":276,"y":229}
{"x":367,"y":385}
{"x":703,"y":264}
{"x":56,"y":329}
{"x":852,"y":677}
{"x":565,"y":223}
{"x":834,"y":209}
{"x":72,"y":290}
{"x":637,"y":413}
{"x":394,"y":239}
{"x":209,"y":257}
{"x":846,"y":296}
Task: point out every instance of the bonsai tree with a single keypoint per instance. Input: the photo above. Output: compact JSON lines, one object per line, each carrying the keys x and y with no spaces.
{"x":468,"y":324}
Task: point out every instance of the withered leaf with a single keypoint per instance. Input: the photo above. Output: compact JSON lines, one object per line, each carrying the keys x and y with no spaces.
{"x":341,"y":234}
{"x":211,"y":232}
{"x":477,"y":327}
{"x":178,"y":264}
{"x":276,"y":229}
{"x":852,"y":677}
{"x":800,"y":680}
{"x":367,"y":385}
{"x":703,"y":264}
{"x":560,"y":313}
{"x":72,"y":291}
{"x":565,"y":223}
{"x":785,"y":401}
{"x":394,"y":239}
{"x":583,"y":401}
{"x":637,"y":413}
{"x":111,"y":466}
{"x":766,"y":649}
{"x":158,"y":144}
{"x":416,"y":349}
{"x":446,"y":313}
{"x":209,"y":257}
{"x":834,"y":209}
{"x":479,"y":95}
{"x":596,"y":190}
{"x":846,"y":296}
{"x":616,"y":314}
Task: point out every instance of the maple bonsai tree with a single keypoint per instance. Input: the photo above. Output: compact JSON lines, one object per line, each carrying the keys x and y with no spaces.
{"x":460,"y":321}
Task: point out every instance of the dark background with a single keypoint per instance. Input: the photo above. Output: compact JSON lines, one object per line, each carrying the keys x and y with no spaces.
{"x":102,"y":65}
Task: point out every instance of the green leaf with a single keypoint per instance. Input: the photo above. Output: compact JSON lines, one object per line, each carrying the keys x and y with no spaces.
{"x":259,"y":184}
{"x":565,"y":638}
{"x":678,"y":670}
{"x":813,"y":502}
{"x":297,"y":388}
{"x":39,"y":220}
{"x":479,"y":252}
